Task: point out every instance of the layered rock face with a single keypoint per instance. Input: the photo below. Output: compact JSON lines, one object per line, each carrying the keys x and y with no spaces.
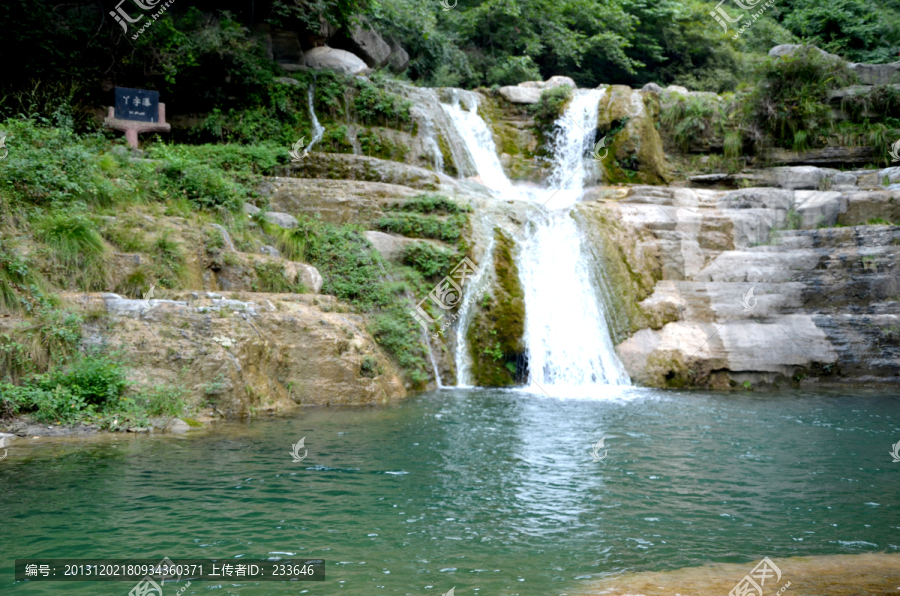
{"x":247,"y":352}
{"x":760,"y":285}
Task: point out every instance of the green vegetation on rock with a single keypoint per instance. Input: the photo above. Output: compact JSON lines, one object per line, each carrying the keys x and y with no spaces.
{"x":495,"y":334}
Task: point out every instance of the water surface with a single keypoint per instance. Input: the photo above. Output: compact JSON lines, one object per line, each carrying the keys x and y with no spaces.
{"x":490,"y":491}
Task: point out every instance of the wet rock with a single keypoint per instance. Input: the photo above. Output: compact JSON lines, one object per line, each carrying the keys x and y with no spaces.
{"x":177,"y":426}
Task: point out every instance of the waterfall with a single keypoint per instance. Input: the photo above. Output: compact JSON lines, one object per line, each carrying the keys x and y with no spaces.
{"x":480,"y":145}
{"x":567,"y":338}
{"x":569,"y":347}
{"x":317,"y":129}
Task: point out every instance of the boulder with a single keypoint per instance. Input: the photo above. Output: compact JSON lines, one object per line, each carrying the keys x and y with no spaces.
{"x":308,"y":275}
{"x":554,"y":81}
{"x":651,"y":88}
{"x":523,"y":95}
{"x":271,"y":251}
{"x":177,"y":426}
{"x":757,"y":198}
{"x":287,"y":81}
{"x":677,"y":89}
{"x":365,"y":42}
{"x":399,"y":58}
{"x":284,"y":220}
{"x":325,"y":57}
{"x":877,"y":74}
{"x":251,"y":209}
{"x":788,"y":49}
{"x":817,"y":208}
{"x":388,"y":246}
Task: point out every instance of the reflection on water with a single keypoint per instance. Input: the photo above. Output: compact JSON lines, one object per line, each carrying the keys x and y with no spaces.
{"x":488,"y":491}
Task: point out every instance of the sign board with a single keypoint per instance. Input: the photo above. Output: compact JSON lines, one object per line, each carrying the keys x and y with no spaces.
{"x":137,"y":104}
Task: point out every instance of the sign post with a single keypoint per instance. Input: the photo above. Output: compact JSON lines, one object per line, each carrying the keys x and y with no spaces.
{"x":137,"y":111}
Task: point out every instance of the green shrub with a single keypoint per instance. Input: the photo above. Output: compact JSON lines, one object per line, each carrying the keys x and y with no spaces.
{"x":163,"y":400}
{"x":270,"y":278}
{"x":431,"y":203}
{"x":792,"y":97}
{"x":428,"y":259}
{"x":423,"y":226}
{"x":53,"y":166}
{"x":89,"y":384}
{"x":400,"y":335}
{"x":548,"y":109}
{"x":376,"y":106}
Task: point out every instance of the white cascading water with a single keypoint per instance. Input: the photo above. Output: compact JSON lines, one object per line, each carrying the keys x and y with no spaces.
{"x":569,"y":349}
{"x":317,"y":129}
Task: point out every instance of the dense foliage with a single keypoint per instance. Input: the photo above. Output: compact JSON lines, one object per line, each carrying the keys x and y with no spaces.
{"x":211,"y":57}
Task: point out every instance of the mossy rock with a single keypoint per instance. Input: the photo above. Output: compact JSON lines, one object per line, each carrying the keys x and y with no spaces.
{"x":635,"y":151}
{"x":512,"y":128}
{"x":630,"y":267}
{"x":495,"y":336}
